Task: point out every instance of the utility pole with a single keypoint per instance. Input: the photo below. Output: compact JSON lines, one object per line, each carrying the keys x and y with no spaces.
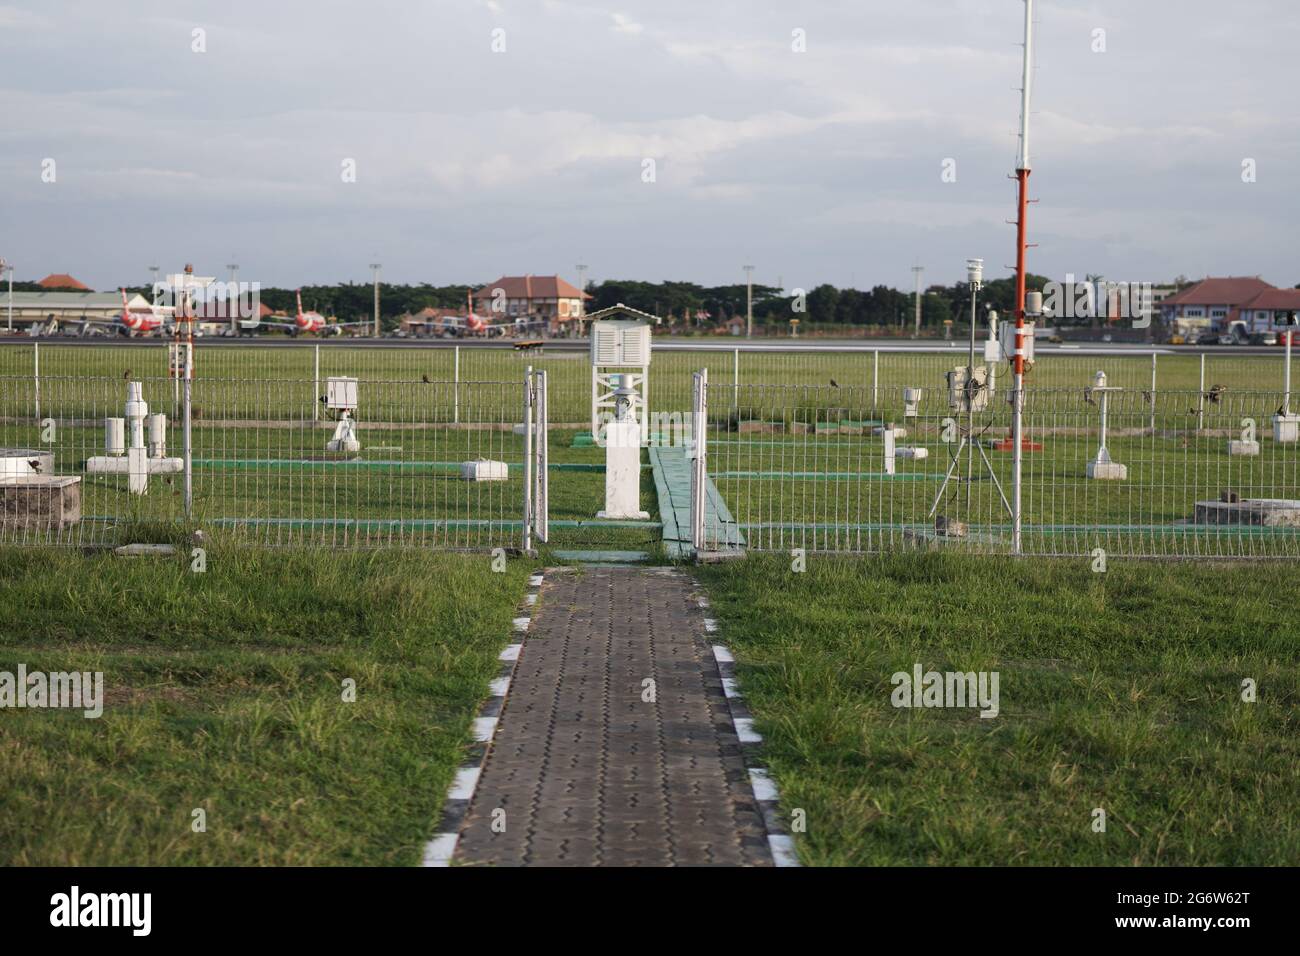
{"x":374,"y":271}
{"x":918,"y":271}
{"x":9,"y":268}
{"x":233,"y":303}
{"x":582,"y":287}
{"x":153,"y":283}
{"x":749,"y":302}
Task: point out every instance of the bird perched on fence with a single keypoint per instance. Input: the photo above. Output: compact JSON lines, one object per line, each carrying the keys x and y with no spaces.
{"x":424,"y":379}
{"x":1146,"y":397}
{"x":1087,"y":396}
{"x":1215,"y":393}
{"x":126,"y":375}
{"x":834,"y":384}
{"x":34,"y":464}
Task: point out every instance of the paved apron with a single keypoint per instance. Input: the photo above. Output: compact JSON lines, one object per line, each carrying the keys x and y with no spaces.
{"x":587,"y":772}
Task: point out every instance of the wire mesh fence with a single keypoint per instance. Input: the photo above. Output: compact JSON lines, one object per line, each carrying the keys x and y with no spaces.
{"x":568,"y":367}
{"x":857,"y":470}
{"x":845,"y":451}
{"x":94,"y":460}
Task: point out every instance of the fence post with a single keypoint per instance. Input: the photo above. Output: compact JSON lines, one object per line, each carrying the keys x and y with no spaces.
{"x":542,"y":498}
{"x":1200,"y":399}
{"x":315,"y":401}
{"x":735,"y":380}
{"x":1153,"y":394}
{"x":1017,"y":457}
{"x":528,"y":460}
{"x":875,"y":377}
{"x":36,"y":371}
{"x":455,"y":386}
{"x":698,"y":465}
{"x":188,"y":444}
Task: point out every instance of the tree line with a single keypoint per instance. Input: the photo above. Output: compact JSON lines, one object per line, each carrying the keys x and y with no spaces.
{"x":684,"y":305}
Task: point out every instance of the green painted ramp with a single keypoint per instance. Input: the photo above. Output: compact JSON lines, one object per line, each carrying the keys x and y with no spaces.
{"x":672,"y":471}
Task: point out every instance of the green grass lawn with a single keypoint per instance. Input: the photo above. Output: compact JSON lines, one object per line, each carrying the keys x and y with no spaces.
{"x":1119,"y":691}
{"x":228,"y":375}
{"x":224,"y":693}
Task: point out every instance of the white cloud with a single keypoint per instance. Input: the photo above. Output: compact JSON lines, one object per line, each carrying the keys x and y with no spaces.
{"x":622,"y":24}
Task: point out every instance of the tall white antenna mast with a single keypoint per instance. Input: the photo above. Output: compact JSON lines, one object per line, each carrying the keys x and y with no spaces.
{"x":1018,"y":442}
{"x":1025,"y":88}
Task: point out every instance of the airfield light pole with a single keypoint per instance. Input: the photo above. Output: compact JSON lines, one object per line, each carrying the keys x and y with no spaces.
{"x":374,"y":271}
{"x":1018,"y":365}
{"x":582,"y":288}
{"x":233,"y":304}
{"x":749,"y":302}
{"x":9,"y":268}
{"x":918,"y":271}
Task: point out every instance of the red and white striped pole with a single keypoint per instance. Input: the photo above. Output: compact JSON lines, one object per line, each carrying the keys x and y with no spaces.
{"x":1018,"y":364}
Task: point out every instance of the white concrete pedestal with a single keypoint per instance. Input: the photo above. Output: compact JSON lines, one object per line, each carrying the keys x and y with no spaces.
{"x":1286,"y":429}
{"x":623,"y":472}
{"x":1102,"y":468}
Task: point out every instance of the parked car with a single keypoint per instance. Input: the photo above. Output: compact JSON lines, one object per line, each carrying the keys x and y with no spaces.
{"x":1264,"y":338}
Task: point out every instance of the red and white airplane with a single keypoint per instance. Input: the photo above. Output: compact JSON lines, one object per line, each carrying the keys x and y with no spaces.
{"x":311,"y":322}
{"x":135,"y":322}
{"x":473,"y":324}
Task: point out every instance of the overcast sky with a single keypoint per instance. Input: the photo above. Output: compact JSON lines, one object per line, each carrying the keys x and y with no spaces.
{"x":816,"y":166}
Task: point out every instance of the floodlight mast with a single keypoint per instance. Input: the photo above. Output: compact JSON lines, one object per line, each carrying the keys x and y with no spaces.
{"x":1018,"y":358}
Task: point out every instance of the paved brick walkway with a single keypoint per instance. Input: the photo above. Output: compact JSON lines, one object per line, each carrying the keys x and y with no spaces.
{"x":587,"y":772}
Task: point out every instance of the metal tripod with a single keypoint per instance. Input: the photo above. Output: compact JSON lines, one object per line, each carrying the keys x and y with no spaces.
{"x":970,"y":390}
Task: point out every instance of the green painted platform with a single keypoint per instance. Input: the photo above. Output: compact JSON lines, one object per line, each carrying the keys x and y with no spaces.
{"x":603,"y":558}
{"x":672,"y":471}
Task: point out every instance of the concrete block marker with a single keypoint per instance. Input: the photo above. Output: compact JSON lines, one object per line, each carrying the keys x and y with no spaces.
{"x":484,"y":728}
{"x":463,"y":786}
{"x":615,"y":745}
{"x":746,"y":732}
{"x":440,"y":850}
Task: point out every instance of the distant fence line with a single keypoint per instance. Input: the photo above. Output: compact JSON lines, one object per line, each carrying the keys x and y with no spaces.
{"x":849,"y":365}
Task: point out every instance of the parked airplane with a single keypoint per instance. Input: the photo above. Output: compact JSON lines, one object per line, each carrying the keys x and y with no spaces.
{"x":141,"y":322}
{"x":138,"y":321}
{"x":473,"y":324}
{"x":307,"y":322}
{"x":467,"y":325}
